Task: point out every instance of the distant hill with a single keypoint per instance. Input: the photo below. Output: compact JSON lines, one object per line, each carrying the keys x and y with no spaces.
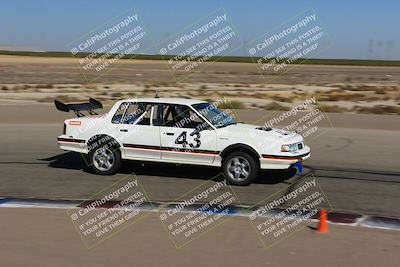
{"x":19,"y":48}
{"x":238,"y":59}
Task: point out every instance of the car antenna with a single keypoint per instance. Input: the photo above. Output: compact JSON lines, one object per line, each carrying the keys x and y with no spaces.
{"x":156,"y":96}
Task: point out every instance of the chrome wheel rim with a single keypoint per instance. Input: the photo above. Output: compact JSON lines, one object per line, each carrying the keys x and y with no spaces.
{"x":238,"y":168}
{"x":103,"y":159}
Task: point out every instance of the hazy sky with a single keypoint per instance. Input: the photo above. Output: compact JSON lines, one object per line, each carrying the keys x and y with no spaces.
{"x":358,"y":28}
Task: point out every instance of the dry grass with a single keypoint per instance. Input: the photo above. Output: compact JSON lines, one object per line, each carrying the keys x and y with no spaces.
{"x":232,"y":105}
{"x":378,"y":109}
{"x":335,"y":97}
{"x":90,"y":86}
{"x":62,"y":98}
{"x":275,"y":106}
{"x":333,"y":108}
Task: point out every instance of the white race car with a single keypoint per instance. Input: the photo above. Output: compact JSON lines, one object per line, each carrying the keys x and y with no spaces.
{"x":174,"y":130}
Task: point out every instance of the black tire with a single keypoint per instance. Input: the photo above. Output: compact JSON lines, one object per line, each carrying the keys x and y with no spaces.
{"x":248,"y":164}
{"x":105,"y":158}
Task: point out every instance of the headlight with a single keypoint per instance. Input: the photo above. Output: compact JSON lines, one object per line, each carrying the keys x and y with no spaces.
{"x":289,"y":148}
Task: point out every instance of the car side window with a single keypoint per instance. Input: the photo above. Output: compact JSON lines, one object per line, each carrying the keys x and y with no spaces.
{"x":133,"y":113}
{"x":157,"y":114}
{"x":181,"y":116}
{"x":145,"y":116}
{"x":117,"y":118}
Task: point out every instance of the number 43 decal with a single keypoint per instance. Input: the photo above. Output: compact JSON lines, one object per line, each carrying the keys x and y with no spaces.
{"x":181,"y":140}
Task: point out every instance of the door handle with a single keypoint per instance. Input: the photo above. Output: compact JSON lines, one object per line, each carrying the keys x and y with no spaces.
{"x":123,"y":130}
{"x":168,"y":133}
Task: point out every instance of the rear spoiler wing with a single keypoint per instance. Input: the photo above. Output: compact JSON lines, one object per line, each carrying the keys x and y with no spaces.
{"x":79,"y":107}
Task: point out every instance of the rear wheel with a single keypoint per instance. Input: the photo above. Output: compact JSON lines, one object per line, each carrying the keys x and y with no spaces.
{"x":240,"y":168}
{"x":105,"y":160}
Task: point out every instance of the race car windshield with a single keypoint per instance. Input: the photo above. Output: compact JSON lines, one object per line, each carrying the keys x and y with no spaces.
{"x":214,"y":115}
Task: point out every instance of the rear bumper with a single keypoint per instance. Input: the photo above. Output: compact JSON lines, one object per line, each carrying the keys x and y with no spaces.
{"x":71,"y":144}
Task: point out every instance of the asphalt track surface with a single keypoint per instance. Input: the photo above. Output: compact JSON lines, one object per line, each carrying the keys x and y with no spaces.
{"x":357,"y":168}
{"x":45,"y":237}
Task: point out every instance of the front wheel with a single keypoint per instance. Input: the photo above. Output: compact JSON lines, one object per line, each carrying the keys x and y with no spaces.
{"x":240,"y":168}
{"x":105,"y":160}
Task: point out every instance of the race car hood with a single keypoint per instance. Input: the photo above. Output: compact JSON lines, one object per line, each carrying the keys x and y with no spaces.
{"x":254,"y":131}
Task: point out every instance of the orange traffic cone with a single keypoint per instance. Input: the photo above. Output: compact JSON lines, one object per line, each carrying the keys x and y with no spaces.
{"x":323,"y":222}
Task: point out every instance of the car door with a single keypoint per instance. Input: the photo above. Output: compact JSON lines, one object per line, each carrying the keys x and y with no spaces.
{"x":139,"y":131}
{"x":186,"y":137}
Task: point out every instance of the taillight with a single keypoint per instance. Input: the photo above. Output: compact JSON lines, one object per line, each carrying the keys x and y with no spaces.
{"x":65,"y":129}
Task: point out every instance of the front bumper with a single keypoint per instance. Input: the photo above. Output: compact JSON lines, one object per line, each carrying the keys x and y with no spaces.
{"x":283,"y":161}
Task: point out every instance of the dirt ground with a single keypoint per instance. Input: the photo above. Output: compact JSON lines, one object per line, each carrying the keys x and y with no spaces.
{"x":355,"y":89}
